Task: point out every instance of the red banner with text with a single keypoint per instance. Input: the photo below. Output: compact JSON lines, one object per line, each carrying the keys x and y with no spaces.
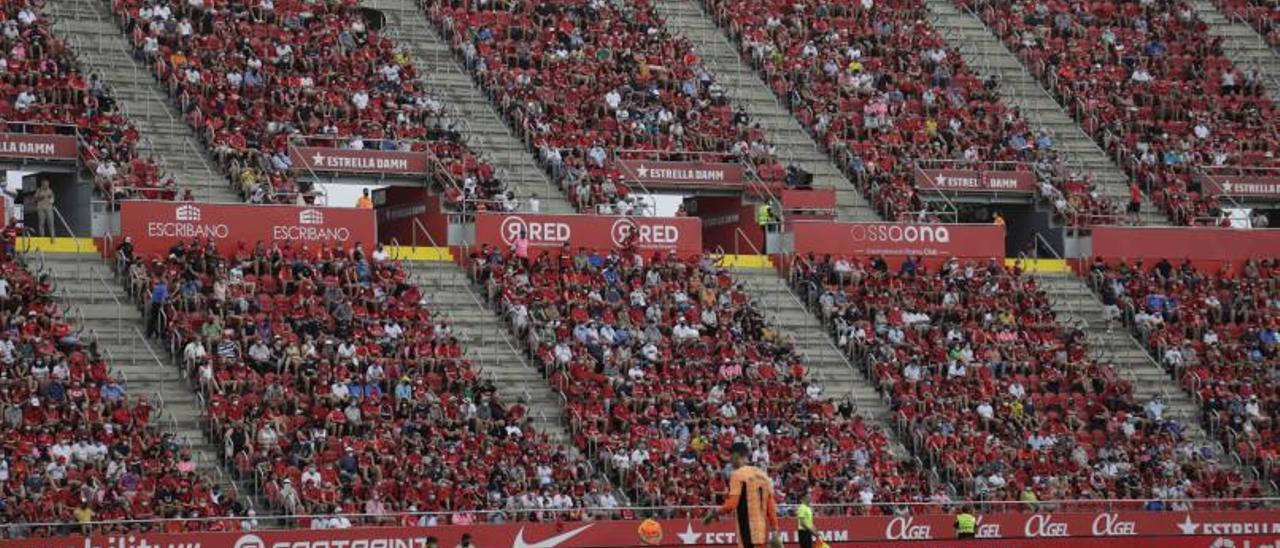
{"x":1243,"y":186}
{"x":1101,"y":530}
{"x":382,"y":162}
{"x":978,"y":241}
{"x":654,"y":174}
{"x":961,"y":180}
{"x":155,"y":226}
{"x":680,"y":234}
{"x":38,"y":147}
{"x":1200,"y":244}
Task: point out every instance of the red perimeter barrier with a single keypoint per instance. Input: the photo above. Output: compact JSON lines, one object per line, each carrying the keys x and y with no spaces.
{"x":1202,"y":245}
{"x":975,"y":241}
{"x":680,"y":234}
{"x":156,"y":226}
{"x":1226,"y":529}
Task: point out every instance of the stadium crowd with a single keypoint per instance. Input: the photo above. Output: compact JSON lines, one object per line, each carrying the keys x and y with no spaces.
{"x":585,"y":82}
{"x":1000,"y":395}
{"x":328,"y":379}
{"x":1260,"y":15}
{"x":254,"y":79}
{"x":76,"y":445}
{"x":665,"y":362}
{"x":878,"y":87}
{"x":1217,"y":332}
{"x":43,"y":90}
{"x":1151,"y":85}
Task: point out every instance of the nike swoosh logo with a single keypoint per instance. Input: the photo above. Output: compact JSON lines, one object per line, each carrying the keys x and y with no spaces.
{"x":549,"y":543}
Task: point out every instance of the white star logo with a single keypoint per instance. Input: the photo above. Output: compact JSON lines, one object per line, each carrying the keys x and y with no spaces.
{"x":642,"y":171}
{"x":689,"y":536}
{"x":1188,"y":527}
{"x":1226,"y":187}
{"x":317,"y":160}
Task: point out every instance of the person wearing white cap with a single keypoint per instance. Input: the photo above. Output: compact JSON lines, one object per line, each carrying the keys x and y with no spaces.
{"x":289,"y":497}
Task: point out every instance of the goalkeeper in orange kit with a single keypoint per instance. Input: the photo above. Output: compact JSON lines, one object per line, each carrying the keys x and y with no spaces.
{"x":751,"y":502}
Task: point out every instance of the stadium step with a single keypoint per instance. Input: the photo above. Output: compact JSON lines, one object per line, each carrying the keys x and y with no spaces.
{"x":1242,"y":45}
{"x":838,"y":377}
{"x":985,"y":54}
{"x":488,"y":343}
{"x":99,"y":44}
{"x":1115,"y":344}
{"x":744,"y":88}
{"x":483,"y":128}
{"x":86,"y":287}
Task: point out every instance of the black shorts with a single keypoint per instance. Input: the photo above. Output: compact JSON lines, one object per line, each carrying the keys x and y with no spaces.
{"x":1134,"y":207}
{"x":805,"y":538}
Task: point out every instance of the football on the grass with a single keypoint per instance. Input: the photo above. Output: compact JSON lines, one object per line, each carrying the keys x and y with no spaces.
{"x":650,"y":532}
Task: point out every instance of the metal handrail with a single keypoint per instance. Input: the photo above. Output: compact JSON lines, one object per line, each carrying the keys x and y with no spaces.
{"x":1093,"y":288}
{"x":1238,"y":504}
{"x":505,"y":336}
{"x":417,"y":225}
{"x":134,"y":72}
{"x":786,"y":288}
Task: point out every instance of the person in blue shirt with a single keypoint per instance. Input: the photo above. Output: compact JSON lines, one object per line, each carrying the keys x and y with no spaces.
{"x":1017,"y":142}
{"x":404,"y":389}
{"x":1268,"y":337}
{"x":56,"y":392}
{"x":356,"y":389}
{"x":1155,"y":302}
{"x":1044,"y":141}
{"x":159,"y":294}
{"x":113,"y":391}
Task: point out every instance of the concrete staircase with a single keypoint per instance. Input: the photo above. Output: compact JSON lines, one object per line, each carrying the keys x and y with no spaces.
{"x":1243,"y":45}
{"x":488,"y":343}
{"x":985,"y":54}
{"x":166,"y":137}
{"x":745,"y":87}
{"x":84,"y":283}
{"x":485,"y":130}
{"x":838,"y":377}
{"x":1077,"y":306}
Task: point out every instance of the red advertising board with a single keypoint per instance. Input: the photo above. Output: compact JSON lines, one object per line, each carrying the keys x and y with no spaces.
{"x":1201,"y":244}
{"x":1101,"y":530}
{"x":978,"y":241}
{"x":381,"y":162}
{"x":680,"y":234}
{"x":964,"y":180}
{"x":1243,"y":186}
{"x":38,"y":147}
{"x":654,"y":174}
{"x":818,"y":199}
{"x":155,"y":226}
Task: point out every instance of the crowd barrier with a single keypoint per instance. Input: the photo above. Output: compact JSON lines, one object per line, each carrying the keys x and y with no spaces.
{"x":155,"y":226}
{"x":928,"y":240}
{"x":1167,"y":529}
{"x":682,"y":235}
{"x":1205,"y":246}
